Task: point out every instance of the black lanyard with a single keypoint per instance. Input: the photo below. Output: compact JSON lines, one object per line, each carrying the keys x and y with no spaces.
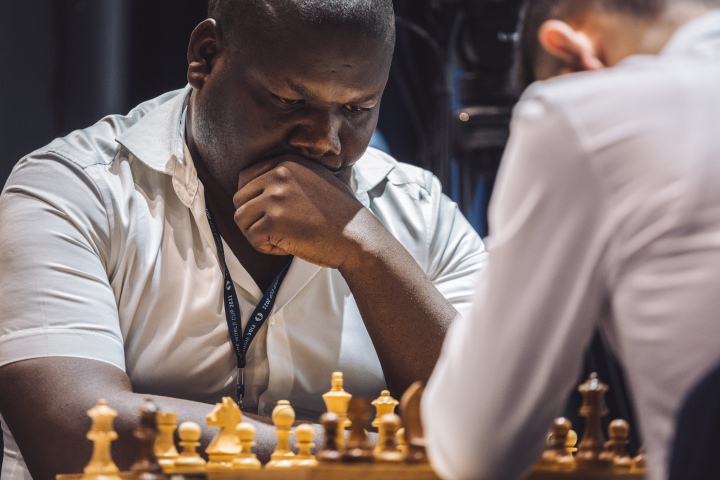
{"x":232,"y":311}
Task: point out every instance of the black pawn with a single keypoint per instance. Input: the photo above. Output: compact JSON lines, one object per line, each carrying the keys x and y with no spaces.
{"x":146,"y":466}
{"x":329,"y":452}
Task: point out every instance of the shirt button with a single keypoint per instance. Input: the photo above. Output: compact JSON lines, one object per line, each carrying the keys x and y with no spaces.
{"x":268,"y":408}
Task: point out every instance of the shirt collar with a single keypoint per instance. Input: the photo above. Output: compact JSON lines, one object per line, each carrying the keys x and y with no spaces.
{"x":154,"y":139}
{"x":700,"y":35}
{"x":372,"y":169}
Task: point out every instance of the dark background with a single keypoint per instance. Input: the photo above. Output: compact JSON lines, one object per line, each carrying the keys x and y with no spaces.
{"x":67,"y":63}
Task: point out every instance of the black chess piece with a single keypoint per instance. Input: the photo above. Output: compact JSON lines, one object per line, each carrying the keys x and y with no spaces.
{"x":146,"y":466}
{"x":329,"y":452}
{"x":358,"y":448}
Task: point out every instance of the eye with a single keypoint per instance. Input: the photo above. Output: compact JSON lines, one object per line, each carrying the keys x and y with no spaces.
{"x":353,"y":109}
{"x":289,"y":102}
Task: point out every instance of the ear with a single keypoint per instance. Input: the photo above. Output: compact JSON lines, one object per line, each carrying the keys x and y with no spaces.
{"x":205,"y":45}
{"x":571,"y":46}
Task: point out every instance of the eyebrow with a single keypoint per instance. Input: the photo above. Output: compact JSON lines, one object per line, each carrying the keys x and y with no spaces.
{"x":305,"y":93}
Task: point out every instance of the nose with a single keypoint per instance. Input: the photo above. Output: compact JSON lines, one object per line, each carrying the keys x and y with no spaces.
{"x":317,"y":134}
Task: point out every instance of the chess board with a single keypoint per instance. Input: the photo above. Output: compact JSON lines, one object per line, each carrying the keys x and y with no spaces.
{"x":398,"y":455}
{"x":370,"y":472}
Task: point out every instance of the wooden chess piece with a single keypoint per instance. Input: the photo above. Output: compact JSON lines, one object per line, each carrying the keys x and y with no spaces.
{"x":618,"y":432}
{"x":401,"y":443}
{"x":189,"y":459}
{"x":283,"y":417}
{"x":224,"y":447}
{"x":146,"y":466}
{"x":329,"y":452}
{"x":593,"y":408}
{"x":358,"y":448}
{"x":556,"y":455}
{"x":336,"y":401}
{"x":388,"y":451}
{"x":102,"y":434}
{"x":572,"y":439}
{"x":165,"y":450}
{"x":246,"y":459}
{"x":304,"y":434}
{"x":639,"y":462}
{"x":414,"y":432}
{"x":384,"y":404}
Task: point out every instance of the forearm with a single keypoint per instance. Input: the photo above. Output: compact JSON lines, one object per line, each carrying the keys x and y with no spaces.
{"x":405,"y":315}
{"x":44,"y":403}
{"x":128,"y":403}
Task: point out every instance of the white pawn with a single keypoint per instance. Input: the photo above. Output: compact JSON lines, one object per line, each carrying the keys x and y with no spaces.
{"x":189,"y":460}
{"x":304,"y":458}
{"x":283,"y":417}
{"x":246,"y":459}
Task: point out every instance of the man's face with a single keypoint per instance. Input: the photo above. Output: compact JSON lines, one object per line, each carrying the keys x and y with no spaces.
{"x":310,"y":92}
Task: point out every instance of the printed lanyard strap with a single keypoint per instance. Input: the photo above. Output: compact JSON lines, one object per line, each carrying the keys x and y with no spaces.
{"x":232,"y":311}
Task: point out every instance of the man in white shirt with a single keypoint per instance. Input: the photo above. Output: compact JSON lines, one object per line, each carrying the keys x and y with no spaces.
{"x":114,"y":242}
{"x":614,"y":172}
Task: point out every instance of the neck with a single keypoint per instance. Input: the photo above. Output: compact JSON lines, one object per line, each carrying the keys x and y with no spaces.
{"x":619,"y":36}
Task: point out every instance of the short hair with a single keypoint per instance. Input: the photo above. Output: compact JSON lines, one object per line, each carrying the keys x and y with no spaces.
{"x":536,"y":12}
{"x":373,"y":18}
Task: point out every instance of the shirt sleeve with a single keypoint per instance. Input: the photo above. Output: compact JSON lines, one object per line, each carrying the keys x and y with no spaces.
{"x":457,"y":255}
{"x":54,"y":263}
{"x":506,"y":370}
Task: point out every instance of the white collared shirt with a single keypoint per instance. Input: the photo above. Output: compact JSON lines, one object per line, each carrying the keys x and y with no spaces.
{"x":106,"y":254}
{"x":606,"y":212}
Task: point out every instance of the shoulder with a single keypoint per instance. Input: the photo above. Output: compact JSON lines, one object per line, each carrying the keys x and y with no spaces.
{"x":97,"y":144}
{"x":644,"y":94}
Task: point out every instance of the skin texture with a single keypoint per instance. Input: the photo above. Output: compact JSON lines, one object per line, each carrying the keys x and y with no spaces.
{"x":275,"y":123}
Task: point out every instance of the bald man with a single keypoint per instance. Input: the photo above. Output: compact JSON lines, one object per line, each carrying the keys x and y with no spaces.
{"x":235,"y":238}
{"x":613,"y":164}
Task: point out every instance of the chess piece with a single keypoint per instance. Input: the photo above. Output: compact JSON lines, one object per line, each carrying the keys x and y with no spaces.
{"x":639,"y":461}
{"x":358,"y":448}
{"x":388,"y":451}
{"x":102,"y":434}
{"x":556,"y":455}
{"x":336,"y":401}
{"x":618,"y":432}
{"x":224,"y":447}
{"x":571,"y":441}
{"x":593,"y":408}
{"x":246,"y":459}
{"x":414,"y":432}
{"x":283,"y":417}
{"x":384,"y":404}
{"x":165,"y":450}
{"x":304,"y":434}
{"x":146,"y":466}
{"x":402,"y":444}
{"x":329,"y":452}
{"x":189,"y":459}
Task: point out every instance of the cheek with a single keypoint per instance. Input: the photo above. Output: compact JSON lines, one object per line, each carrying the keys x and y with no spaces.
{"x":356,"y":137}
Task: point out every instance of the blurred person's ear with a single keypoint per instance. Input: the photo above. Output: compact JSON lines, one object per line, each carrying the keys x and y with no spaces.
{"x":573,"y":47}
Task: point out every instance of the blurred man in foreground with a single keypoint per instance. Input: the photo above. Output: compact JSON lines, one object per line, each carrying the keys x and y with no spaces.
{"x":615,"y":171}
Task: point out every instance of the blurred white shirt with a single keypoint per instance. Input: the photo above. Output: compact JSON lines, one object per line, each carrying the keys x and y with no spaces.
{"x":606,"y":212}
{"x":106,"y":254}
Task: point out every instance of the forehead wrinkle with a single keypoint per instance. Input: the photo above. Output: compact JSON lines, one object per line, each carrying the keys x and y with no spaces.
{"x":306,"y":93}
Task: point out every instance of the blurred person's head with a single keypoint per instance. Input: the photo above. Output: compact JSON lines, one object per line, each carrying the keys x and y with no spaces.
{"x":279,"y":77}
{"x":565,"y":36}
